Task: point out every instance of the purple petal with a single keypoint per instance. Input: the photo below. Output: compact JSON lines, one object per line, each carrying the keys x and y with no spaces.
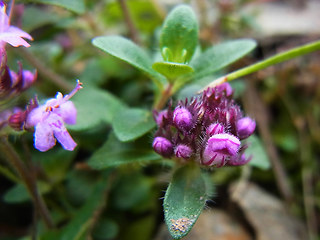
{"x":60,"y":132}
{"x":14,"y":36}
{"x":43,"y":137}
{"x":35,"y":116}
{"x":4,"y":20}
{"x":224,"y":143}
{"x":68,"y":112}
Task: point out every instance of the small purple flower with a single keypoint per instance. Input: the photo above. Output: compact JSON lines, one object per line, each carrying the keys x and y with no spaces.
{"x":182,"y":118}
{"x":219,"y":148}
{"x":10,"y":34}
{"x":183,"y":151}
{"x":163,"y":146}
{"x":245,"y":127}
{"x":48,"y":121}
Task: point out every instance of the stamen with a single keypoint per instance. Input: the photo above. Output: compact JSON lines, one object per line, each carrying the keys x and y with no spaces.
{"x":74,"y":91}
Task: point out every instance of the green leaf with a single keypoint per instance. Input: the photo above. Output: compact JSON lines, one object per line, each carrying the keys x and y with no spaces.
{"x":259,"y":156}
{"x":19,"y":193}
{"x":55,"y":163}
{"x":94,"y":106}
{"x":219,"y":56}
{"x":105,"y":229}
{"x":179,"y":36}
{"x":184,"y":200}
{"x":115,"y":153}
{"x":129,"y":52}
{"x":129,"y":124}
{"x":172,"y":70}
{"x":83,"y":217}
{"x":34,"y":17}
{"x":76,"y":6}
{"x":131,"y":191}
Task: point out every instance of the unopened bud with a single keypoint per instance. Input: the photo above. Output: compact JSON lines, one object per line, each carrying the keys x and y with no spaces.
{"x":245,"y":127}
{"x":160,"y":116}
{"x":183,"y":151}
{"x":215,"y":128}
{"x":17,"y":120}
{"x":182,"y":118}
{"x":225,"y":87}
{"x":163,"y":146}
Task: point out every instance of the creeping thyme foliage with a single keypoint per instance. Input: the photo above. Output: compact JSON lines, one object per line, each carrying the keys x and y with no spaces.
{"x":208,"y":129}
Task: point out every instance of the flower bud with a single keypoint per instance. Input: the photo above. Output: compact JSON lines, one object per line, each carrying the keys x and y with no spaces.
{"x":28,"y":78}
{"x":162,"y":146}
{"x":245,"y":127}
{"x":17,"y":120}
{"x":220,"y":147}
{"x":160,"y":116}
{"x":225,"y":87}
{"x":183,"y":151}
{"x":182,"y":118}
{"x":215,"y":128}
{"x":239,"y":160}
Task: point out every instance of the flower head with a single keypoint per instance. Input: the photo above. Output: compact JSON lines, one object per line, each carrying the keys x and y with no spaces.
{"x":10,"y":34}
{"x":207,"y":129}
{"x":48,"y":121}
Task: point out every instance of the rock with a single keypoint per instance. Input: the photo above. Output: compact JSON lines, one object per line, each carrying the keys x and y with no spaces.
{"x":274,"y":18}
{"x":266,"y":214}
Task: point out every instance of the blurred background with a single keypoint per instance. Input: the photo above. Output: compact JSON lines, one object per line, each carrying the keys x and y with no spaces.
{"x":278,"y":200}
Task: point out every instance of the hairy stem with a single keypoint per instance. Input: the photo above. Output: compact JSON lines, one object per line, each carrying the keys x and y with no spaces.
{"x":15,"y":161}
{"x":278,"y":58}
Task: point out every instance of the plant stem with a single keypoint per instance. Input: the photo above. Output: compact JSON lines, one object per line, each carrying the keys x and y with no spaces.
{"x":278,"y":58}
{"x":128,"y":19}
{"x":14,"y":160}
{"x":166,"y":94}
{"x":44,"y":70}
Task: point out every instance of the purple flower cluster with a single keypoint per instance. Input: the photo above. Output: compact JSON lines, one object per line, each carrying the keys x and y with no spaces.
{"x":207,"y":129}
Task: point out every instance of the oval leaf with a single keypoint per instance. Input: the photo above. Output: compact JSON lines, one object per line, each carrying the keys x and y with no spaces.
{"x":76,"y":6}
{"x":220,"y":56}
{"x":129,"y":52}
{"x":172,"y":70}
{"x":184,"y":200}
{"x":115,"y":153}
{"x":94,"y":106}
{"x":129,"y":124}
{"x":179,"y":36}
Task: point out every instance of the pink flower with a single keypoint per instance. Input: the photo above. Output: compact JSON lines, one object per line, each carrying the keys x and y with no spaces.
{"x":220,"y":147}
{"x":48,"y":121}
{"x":10,"y":34}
